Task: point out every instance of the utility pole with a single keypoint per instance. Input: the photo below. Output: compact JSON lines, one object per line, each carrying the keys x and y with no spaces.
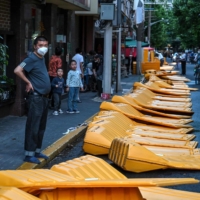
{"x":139,"y":38}
{"x":107,"y":14}
{"x":118,"y":78}
{"x":149,"y":27}
{"x":139,"y":10}
{"x":107,"y":61}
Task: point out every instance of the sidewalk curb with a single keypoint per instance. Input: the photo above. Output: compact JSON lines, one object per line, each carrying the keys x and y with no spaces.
{"x":58,"y":146}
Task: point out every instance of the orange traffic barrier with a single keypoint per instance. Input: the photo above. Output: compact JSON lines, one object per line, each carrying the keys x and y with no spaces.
{"x":88,"y":168}
{"x":131,"y":156}
{"x":12,"y":193}
{"x":128,"y":100}
{"x":157,"y":89}
{"x":134,"y":114}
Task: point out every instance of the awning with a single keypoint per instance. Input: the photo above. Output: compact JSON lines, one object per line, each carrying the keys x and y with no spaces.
{"x":78,"y":5}
{"x":133,"y":43}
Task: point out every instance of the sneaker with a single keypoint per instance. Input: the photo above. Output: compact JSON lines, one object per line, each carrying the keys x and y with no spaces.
{"x":31,"y":159}
{"x":55,"y":113}
{"x":41,"y":155}
{"x":79,"y":101}
{"x":70,"y":112}
{"x":60,"y":111}
{"x":76,"y":111}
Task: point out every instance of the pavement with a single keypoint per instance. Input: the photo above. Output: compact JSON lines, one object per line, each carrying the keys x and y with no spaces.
{"x":57,"y":135}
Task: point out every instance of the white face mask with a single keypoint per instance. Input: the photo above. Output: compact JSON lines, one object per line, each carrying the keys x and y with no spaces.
{"x":42,"y":51}
{"x":198,"y":51}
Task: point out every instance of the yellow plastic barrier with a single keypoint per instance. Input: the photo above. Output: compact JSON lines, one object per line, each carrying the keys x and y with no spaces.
{"x":50,"y":185}
{"x":128,"y":193}
{"x":154,"y":86}
{"x":12,"y":193}
{"x":152,"y":95}
{"x":154,"y":78}
{"x":109,"y":125}
{"x":143,"y":100}
{"x":172,"y":150}
{"x":176,"y":78}
{"x":161,"y":73}
{"x":149,"y":65}
{"x":120,"y":119}
{"x":128,"y":100}
{"x":145,"y":55}
{"x":163,"y":84}
{"x":154,"y":134}
{"x":145,"y":140}
{"x":88,"y":167}
{"x":133,"y":157}
{"x":134,"y":114}
{"x":115,"y":117}
{"x":98,"y":139}
{"x":158,"y":193}
{"x":171,"y":106}
{"x":162,"y":91}
{"x":163,"y":102}
{"x":166,"y":68}
{"x":33,"y":180}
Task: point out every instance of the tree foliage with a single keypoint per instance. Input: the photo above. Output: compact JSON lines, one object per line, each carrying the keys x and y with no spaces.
{"x":159,"y":33}
{"x":186,"y":13}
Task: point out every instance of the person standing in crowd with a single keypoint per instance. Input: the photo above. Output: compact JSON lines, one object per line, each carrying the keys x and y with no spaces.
{"x":88,"y":73}
{"x":33,"y":71}
{"x":74,"y":84}
{"x":183,"y":63}
{"x":177,"y":60}
{"x":54,"y":64}
{"x":58,"y":86}
{"x":160,"y":57}
{"x":98,"y":73}
{"x":79,"y":61}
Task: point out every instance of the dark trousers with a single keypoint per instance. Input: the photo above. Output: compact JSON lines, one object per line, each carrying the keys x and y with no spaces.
{"x":57,"y":101}
{"x":161,"y":62}
{"x":51,"y":93}
{"x":99,"y":87}
{"x":183,"y":67}
{"x":35,"y":124}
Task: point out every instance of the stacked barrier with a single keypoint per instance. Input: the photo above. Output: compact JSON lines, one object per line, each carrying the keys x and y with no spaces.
{"x":141,"y":131}
{"x":87,"y":177}
{"x":155,"y":135}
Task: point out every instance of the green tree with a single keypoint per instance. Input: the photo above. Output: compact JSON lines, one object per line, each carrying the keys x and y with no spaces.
{"x":159,"y":33}
{"x":187,"y":16}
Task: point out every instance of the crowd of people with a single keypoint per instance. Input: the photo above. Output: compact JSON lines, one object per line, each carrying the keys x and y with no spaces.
{"x":85,"y":74}
{"x":185,"y":57}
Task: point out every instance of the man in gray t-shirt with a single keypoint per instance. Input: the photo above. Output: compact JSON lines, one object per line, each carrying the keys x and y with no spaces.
{"x":33,"y":71}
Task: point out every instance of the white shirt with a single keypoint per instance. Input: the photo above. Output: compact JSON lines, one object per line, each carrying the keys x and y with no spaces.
{"x":183,"y":56}
{"x":160,"y":56}
{"x":79,"y":59}
{"x":74,"y":79}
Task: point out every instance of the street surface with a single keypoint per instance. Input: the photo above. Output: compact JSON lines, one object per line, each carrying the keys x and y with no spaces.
{"x":75,"y":149}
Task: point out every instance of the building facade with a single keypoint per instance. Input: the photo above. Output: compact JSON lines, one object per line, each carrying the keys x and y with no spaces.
{"x":22,"y":21}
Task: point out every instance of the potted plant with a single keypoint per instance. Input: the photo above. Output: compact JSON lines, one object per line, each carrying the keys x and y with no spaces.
{"x":6,"y":83}
{"x":3,"y":57}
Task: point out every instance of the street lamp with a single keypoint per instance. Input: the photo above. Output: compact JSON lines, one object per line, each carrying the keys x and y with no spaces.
{"x":149,"y":27}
